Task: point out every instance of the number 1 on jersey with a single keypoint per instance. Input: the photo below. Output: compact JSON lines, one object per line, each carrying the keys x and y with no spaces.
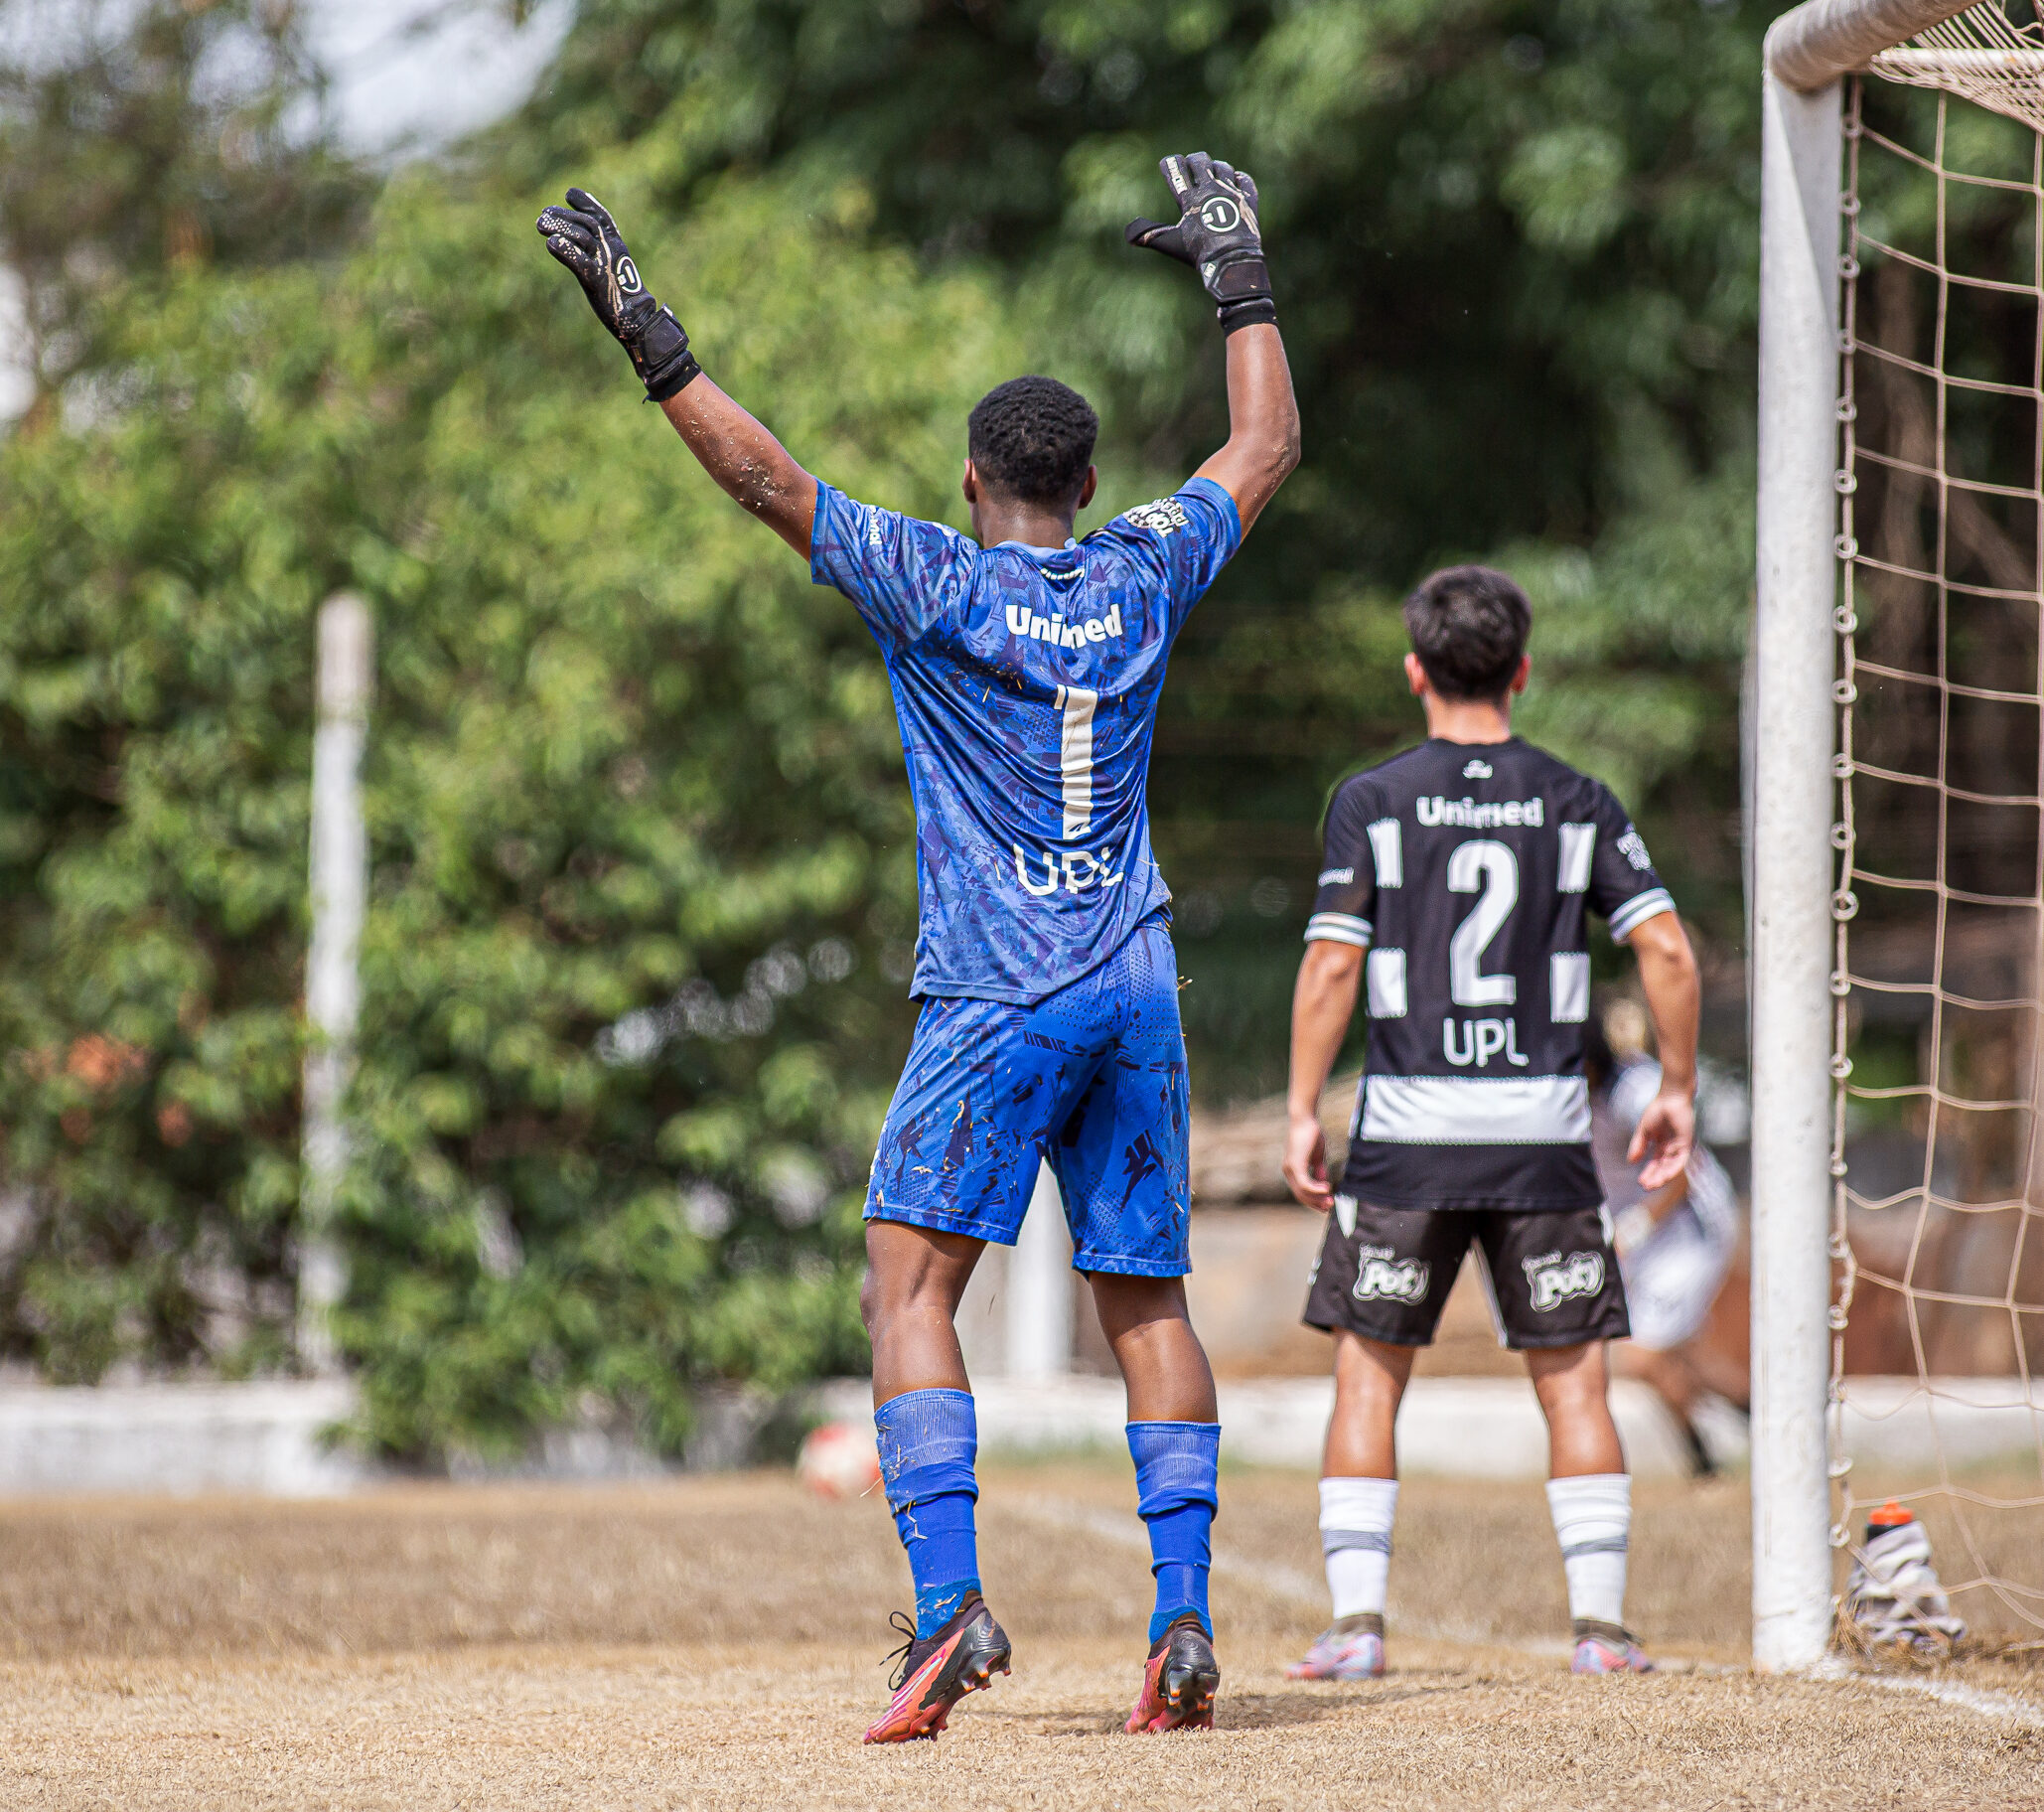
{"x":1074,"y":757}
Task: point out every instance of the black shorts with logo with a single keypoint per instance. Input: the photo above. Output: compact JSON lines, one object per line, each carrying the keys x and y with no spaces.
{"x":1552,"y":1277}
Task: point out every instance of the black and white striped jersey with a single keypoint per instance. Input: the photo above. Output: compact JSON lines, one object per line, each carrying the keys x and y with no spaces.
{"x":1468,"y":871}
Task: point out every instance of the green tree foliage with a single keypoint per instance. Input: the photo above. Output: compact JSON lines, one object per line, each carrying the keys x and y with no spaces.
{"x":1514,"y":250}
{"x":632,"y":970}
{"x":140,"y":137}
{"x":634,"y":960}
{"x":1514,"y":240}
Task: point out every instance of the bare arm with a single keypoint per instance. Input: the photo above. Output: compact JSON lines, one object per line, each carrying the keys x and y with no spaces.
{"x":1322,"y":1004}
{"x":1667,"y":974}
{"x":747,"y":461}
{"x":1262,"y":422}
{"x":734,"y":449}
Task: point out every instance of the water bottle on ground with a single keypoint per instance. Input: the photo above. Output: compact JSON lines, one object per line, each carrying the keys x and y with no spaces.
{"x":1893,"y":1594}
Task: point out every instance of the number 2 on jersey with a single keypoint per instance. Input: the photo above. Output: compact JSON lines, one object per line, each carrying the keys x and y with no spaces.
{"x":1490,"y":866}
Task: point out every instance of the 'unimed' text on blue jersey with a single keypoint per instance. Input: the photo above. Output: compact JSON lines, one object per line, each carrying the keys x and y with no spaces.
{"x":1026,"y":680}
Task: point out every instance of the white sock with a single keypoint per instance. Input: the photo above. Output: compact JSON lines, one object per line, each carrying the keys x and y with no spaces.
{"x":1356,"y":1536}
{"x":1592,"y":1516}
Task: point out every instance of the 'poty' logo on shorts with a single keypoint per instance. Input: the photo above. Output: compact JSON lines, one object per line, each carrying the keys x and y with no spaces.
{"x":1552,"y":1279}
{"x":1397,"y":1280}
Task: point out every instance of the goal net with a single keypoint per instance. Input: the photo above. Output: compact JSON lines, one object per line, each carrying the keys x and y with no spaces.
{"x":1937,"y":1129}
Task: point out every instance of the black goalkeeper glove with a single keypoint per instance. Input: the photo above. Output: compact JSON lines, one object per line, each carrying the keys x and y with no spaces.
{"x":586,"y":239}
{"x":1215,"y":233}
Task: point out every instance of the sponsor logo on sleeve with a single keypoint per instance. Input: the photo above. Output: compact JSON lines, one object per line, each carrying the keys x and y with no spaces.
{"x":1164,"y":516}
{"x":1381,"y":1275}
{"x":1552,"y":1279}
{"x":1633,"y":846}
{"x":1335,"y":878}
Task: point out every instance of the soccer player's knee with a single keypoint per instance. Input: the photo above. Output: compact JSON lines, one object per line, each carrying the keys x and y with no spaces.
{"x":896,"y":1286}
{"x":1129,"y":1304}
{"x":1574,"y":1391}
{"x":887,"y":1293}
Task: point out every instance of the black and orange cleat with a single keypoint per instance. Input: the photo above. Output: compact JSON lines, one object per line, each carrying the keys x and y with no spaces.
{"x":937,"y":1671}
{"x":1179,"y":1680}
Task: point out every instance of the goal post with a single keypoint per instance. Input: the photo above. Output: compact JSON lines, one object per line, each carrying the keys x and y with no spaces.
{"x":1792,"y":789}
{"x":1801,"y":787}
{"x":1793,"y":655}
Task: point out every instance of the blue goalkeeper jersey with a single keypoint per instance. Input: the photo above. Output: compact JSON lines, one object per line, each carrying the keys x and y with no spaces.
{"x":1026,"y":680}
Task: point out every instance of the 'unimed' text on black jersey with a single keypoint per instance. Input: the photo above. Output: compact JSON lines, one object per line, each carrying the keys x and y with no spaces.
{"x":1467,"y":872}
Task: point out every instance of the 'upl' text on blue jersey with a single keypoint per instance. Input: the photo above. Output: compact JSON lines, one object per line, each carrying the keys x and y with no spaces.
{"x":1026,"y":680}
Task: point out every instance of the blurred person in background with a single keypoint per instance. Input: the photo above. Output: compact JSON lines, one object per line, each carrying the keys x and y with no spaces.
{"x":1674,"y":1244}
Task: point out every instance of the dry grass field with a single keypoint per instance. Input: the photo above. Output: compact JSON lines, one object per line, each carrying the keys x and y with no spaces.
{"x":717,"y":1642}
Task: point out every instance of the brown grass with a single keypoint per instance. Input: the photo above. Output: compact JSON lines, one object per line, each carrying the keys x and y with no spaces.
{"x":716,"y":1642}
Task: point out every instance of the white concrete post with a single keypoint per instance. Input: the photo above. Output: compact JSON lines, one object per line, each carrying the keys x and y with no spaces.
{"x":1793,"y":664}
{"x":340,"y":890}
{"x":1039,"y":1288}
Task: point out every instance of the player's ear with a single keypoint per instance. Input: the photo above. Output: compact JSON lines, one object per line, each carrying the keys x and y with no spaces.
{"x":1524,"y":673}
{"x":1415,"y":676}
{"x":969,"y":484}
{"x":1086,"y":491}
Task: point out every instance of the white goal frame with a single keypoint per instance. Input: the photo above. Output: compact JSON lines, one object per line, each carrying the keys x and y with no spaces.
{"x":1791,"y":737}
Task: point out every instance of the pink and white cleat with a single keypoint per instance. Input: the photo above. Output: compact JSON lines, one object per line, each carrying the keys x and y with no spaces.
{"x":1604,"y":1648}
{"x":1351,"y":1649}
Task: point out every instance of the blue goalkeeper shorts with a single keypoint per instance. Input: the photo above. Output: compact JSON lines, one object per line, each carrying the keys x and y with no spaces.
{"x":1091,"y":1078}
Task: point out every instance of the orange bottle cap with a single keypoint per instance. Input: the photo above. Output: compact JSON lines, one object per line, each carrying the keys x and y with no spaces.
{"x":1890,"y":1515}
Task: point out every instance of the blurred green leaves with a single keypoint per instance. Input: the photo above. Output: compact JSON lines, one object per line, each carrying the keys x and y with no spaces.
{"x":1568,"y":187}
{"x":641,"y":882}
{"x":639,"y":835}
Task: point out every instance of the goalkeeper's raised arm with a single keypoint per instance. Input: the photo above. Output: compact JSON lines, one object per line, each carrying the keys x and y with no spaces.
{"x":1218,"y":233}
{"x":734,"y":448}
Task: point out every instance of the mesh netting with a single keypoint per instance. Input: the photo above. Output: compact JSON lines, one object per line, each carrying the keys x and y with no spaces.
{"x":1980,"y":54}
{"x":1938,"y":1138}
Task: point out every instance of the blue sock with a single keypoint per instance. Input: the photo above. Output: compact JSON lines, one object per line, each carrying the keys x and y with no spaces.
{"x":927,"y":1441}
{"x":1177,"y":1475}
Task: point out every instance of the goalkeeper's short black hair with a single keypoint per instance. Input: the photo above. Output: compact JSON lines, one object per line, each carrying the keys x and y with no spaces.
{"x":1032,"y":439}
{"x":1469,"y":626}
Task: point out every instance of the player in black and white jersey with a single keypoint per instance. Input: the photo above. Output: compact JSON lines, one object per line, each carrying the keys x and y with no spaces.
{"x":1457,"y":890}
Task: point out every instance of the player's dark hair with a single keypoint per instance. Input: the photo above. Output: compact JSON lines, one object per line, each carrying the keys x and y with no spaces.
{"x":1469,"y":626}
{"x":1032,"y":440}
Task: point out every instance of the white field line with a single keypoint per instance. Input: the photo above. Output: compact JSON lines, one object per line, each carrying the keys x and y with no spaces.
{"x":1126,"y":1531}
{"x":1979,"y":1698}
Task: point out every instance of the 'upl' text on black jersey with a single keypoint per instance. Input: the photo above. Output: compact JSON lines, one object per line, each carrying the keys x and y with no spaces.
{"x":1467,"y":872}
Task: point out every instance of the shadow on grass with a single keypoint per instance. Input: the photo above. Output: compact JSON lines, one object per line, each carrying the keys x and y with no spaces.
{"x":1249,"y":1711}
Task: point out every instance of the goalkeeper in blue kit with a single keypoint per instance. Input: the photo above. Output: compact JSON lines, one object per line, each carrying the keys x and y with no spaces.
{"x":1026,"y":668}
